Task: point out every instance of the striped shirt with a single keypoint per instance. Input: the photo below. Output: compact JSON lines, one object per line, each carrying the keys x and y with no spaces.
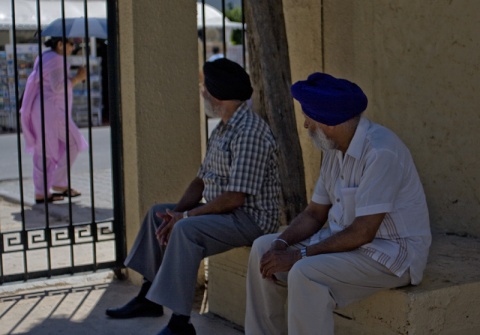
{"x":242,"y":156}
{"x":377,"y":175}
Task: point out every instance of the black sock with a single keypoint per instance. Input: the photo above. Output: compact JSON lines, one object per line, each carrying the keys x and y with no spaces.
{"x":144,"y":289}
{"x":178,"y":322}
{"x":180,"y":318}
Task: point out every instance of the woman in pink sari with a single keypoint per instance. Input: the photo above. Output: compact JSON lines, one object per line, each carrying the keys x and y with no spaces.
{"x":55,"y":123}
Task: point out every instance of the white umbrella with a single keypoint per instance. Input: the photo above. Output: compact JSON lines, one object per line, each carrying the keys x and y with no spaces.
{"x":214,"y":18}
{"x":75,"y":27}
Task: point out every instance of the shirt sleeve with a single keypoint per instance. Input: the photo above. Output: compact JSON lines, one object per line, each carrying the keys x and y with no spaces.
{"x":251,"y":151}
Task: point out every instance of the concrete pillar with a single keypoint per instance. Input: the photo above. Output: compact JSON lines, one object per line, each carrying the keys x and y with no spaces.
{"x":159,"y":103}
{"x":303,"y":22}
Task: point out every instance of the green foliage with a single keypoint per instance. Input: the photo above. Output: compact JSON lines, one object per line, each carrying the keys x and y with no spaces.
{"x":235,"y":14}
{"x":237,"y":37}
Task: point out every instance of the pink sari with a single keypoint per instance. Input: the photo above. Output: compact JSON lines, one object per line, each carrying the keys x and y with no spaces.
{"x":54,"y":110}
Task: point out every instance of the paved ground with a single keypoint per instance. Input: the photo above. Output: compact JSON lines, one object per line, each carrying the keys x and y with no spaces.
{"x":59,"y":215}
{"x":70,"y":304}
{"x":76,"y":305}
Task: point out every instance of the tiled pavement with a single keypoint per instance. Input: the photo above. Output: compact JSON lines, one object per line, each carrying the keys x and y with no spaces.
{"x":73,"y":304}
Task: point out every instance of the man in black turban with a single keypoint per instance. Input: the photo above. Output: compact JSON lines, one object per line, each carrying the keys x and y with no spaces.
{"x":239,"y":181}
{"x":227,"y":80}
{"x":365,"y":229}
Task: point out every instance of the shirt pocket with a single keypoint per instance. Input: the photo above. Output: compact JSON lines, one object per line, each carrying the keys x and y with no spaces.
{"x":348,"y":200}
{"x":221,"y":161}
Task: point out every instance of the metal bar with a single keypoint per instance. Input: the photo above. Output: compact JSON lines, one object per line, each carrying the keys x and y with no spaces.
{"x":224,"y":31}
{"x":244,"y":48}
{"x":15,"y":69}
{"x":59,"y":272}
{"x":67,"y":135}
{"x":90,"y":138}
{"x":77,"y":224}
{"x":42,"y":112}
{"x":17,"y":100}
{"x":116,"y":134}
{"x":204,"y":34}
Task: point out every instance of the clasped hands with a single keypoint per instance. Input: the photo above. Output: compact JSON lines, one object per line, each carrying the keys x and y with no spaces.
{"x":278,"y":259}
{"x":168,"y":221}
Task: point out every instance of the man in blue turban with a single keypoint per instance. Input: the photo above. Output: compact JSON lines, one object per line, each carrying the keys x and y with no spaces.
{"x":365,"y":229}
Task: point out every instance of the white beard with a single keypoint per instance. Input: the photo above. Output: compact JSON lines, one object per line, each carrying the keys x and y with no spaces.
{"x":321,"y":141}
{"x":209,"y":109}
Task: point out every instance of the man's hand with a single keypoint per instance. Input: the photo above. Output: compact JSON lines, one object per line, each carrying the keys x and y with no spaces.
{"x":278,"y":259}
{"x":165,"y":228}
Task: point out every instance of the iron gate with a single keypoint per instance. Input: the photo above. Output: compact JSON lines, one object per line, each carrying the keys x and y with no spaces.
{"x":85,"y":233}
{"x":77,"y":234}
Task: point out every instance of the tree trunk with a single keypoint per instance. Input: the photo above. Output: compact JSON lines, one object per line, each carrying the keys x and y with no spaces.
{"x":269,"y":67}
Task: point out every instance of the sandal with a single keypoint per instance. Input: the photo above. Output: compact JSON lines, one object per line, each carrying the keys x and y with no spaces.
{"x":51,"y":198}
{"x":72,"y":193}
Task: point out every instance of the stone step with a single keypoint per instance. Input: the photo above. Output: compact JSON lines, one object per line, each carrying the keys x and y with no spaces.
{"x":445,"y":303}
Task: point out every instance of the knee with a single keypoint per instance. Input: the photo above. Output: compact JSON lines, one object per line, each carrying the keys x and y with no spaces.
{"x":262,"y":244}
{"x":159,"y":208}
{"x":152,"y":217}
{"x":186,"y":228}
{"x":297,"y":274}
{"x":310,"y":271}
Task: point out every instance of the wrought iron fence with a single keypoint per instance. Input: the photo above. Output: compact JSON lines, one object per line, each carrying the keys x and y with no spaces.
{"x":43,"y":238}
{"x":84,"y":233}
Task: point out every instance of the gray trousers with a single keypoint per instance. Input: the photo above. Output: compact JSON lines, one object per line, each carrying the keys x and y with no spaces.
{"x":173,"y":270}
{"x":313,"y":288}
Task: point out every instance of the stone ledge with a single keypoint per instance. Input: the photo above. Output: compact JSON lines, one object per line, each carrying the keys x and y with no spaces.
{"x":445,"y":303}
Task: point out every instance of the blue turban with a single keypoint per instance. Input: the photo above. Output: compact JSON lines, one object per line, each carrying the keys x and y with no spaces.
{"x":329,"y":100}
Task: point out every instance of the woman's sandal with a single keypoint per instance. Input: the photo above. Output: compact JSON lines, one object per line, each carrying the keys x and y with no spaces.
{"x":72,"y":193}
{"x":51,"y":198}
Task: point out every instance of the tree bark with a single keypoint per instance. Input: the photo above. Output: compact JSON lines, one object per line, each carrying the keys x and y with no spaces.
{"x":269,"y":68}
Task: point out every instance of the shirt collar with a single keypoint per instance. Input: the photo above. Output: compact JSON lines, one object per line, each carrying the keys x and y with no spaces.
{"x":237,"y":116}
{"x":355,"y":148}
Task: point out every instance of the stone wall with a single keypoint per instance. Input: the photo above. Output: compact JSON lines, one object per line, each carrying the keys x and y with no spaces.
{"x":418,"y":63}
{"x":159,"y":103}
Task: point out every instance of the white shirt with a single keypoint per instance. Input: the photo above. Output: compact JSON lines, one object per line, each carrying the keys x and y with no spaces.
{"x":377,"y":175}
{"x":214,"y":57}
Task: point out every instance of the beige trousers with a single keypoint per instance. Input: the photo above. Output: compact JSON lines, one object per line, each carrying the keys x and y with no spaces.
{"x":312,"y":289}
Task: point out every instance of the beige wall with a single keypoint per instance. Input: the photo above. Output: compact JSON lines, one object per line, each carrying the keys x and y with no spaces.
{"x":159,"y":103}
{"x":303,"y":25}
{"x":418,"y":62}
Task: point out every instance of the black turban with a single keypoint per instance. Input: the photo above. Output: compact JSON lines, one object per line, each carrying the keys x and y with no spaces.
{"x":329,"y":100}
{"x":227,"y":80}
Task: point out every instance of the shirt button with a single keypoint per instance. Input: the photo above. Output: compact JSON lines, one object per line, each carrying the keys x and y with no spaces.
{"x":341,"y":177}
{"x":338,"y":200}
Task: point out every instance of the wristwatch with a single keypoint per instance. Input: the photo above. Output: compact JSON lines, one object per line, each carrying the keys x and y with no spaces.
{"x":185,"y":214}
{"x":303,"y":252}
